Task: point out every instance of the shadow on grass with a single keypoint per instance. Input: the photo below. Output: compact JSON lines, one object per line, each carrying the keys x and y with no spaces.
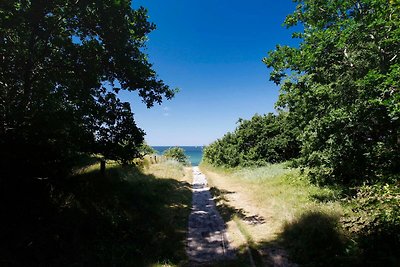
{"x":228,"y":212}
{"x":123,"y":219}
{"x":314,"y":239}
{"x":324,"y":198}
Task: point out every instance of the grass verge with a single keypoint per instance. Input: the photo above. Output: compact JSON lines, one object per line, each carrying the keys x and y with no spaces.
{"x":275,"y":207}
{"x":129,"y":217}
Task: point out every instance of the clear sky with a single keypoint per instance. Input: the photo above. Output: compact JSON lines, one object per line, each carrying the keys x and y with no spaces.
{"x":211,"y":50}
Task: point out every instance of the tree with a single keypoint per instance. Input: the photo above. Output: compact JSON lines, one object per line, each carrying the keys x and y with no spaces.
{"x":177,"y":154}
{"x":341,"y":88}
{"x":63,"y":64}
{"x":261,"y":140}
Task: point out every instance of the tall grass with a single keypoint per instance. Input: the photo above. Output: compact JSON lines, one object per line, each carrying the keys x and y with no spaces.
{"x":129,"y":217}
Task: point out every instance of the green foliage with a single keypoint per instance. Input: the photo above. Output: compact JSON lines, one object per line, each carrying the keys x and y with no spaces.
{"x":178,"y":154}
{"x":341,"y":88}
{"x":262,"y":139}
{"x":382,"y":203}
{"x":62,"y":66}
{"x":376,"y":224}
{"x":145,"y":149}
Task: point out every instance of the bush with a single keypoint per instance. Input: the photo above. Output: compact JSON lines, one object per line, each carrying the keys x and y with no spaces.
{"x":376,"y":224}
{"x":177,"y":154}
{"x":145,"y":149}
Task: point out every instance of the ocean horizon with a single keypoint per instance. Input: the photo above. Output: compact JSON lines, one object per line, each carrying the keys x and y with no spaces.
{"x":194,"y":153}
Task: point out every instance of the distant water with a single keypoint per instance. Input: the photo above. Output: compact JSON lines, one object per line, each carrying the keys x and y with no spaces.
{"x":194,"y":153}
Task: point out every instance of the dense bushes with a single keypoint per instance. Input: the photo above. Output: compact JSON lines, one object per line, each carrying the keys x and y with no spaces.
{"x":262,"y":139}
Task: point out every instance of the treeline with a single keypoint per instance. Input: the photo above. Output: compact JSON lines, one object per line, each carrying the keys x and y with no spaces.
{"x":262,"y":139}
{"x":339,"y":93}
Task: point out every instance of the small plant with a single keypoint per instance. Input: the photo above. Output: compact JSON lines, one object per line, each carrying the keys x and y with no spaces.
{"x":177,"y":154}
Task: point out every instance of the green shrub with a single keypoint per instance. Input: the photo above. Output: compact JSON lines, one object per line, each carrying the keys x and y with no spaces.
{"x":145,"y":149}
{"x":177,"y":154}
{"x":376,"y":224}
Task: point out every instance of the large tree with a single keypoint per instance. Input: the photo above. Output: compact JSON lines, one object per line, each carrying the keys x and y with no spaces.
{"x":62,"y":64}
{"x":341,"y":87}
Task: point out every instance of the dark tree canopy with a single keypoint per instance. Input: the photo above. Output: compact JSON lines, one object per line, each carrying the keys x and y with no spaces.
{"x":62,"y":66}
{"x":341,"y":87}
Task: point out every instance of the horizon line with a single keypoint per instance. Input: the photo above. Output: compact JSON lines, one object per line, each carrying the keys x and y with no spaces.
{"x":177,"y":145}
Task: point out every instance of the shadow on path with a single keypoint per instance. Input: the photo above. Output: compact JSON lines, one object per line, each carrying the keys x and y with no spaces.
{"x":207,"y":241}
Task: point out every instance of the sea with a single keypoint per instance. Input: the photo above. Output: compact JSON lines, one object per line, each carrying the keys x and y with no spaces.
{"x":194,"y":153}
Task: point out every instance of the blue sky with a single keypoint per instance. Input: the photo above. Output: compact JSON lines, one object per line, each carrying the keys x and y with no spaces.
{"x":211,"y":50}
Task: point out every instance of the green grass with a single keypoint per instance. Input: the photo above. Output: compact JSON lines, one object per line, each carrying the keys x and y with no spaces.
{"x":281,"y":194}
{"x":276,"y":206}
{"x":127,"y":218}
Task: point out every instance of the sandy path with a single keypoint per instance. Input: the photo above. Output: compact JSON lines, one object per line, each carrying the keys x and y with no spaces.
{"x":207,"y":241}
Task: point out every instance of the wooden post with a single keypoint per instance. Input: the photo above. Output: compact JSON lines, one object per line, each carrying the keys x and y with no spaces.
{"x":103,"y":167}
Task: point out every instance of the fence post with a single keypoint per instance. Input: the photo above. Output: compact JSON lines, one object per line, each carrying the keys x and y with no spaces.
{"x":103,"y":167}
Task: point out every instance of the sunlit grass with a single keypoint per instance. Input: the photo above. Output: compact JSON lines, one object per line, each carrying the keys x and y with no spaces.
{"x":265,"y":200}
{"x":170,"y":168}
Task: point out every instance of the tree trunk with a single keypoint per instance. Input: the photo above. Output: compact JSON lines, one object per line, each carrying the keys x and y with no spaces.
{"x":103,"y":167}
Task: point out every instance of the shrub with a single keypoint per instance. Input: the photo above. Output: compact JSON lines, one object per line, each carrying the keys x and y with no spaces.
{"x":145,"y":149}
{"x":376,"y":224}
{"x":177,"y":154}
